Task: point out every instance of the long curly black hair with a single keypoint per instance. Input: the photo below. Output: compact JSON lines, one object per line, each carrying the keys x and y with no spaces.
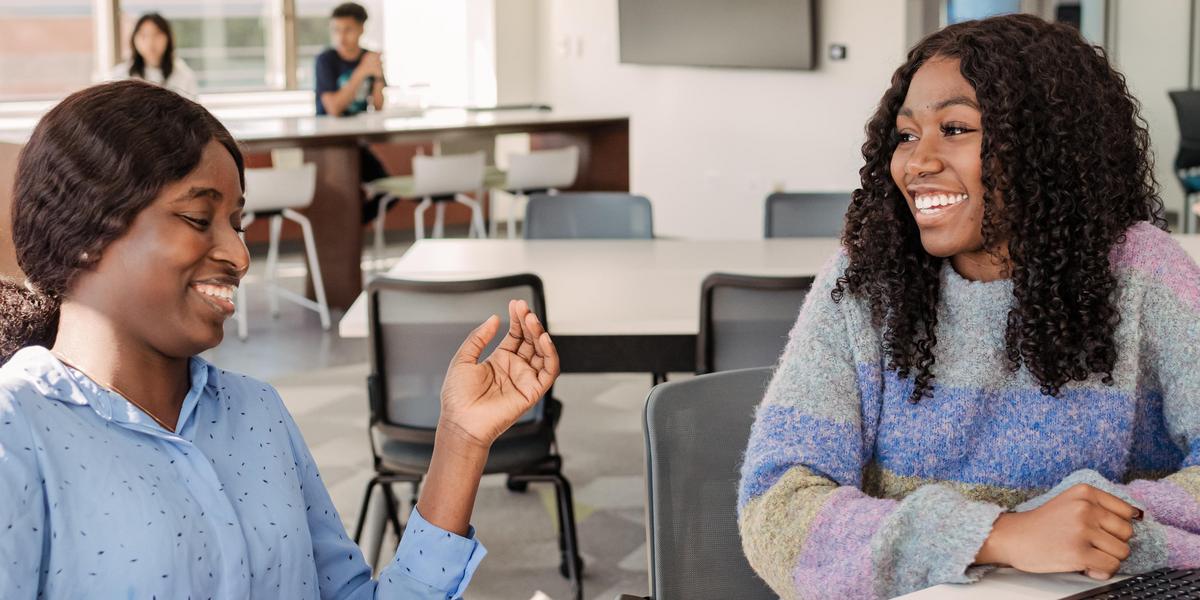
{"x":1065,"y":147}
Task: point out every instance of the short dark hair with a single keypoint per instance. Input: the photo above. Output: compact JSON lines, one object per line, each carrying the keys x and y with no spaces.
{"x":352,"y":10}
{"x":94,"y":162}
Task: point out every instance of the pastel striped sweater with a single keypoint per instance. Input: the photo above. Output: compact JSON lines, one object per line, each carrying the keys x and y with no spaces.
{"x":850,"y":491}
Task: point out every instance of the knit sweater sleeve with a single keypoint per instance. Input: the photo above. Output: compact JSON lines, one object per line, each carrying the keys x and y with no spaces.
{"x":807,"y":527}
{"x":1169,"y":329}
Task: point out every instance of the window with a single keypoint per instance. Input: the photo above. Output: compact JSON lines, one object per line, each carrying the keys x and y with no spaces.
{"x":436,"y":52}
{"x":223,"y":41}
{"x":47,"y":48}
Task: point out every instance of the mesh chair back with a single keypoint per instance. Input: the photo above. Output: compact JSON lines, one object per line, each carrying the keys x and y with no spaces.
{"x":443,"y":175}
{"x":745,"y":320}
{"x":1187,"y":111}
{"x":696,"y":431}
{"x":806,"y":214}
{"x":543,"y":169}
{"x":277,"y":188}
{"x":415,"y":327}
{"x":588,"y":215}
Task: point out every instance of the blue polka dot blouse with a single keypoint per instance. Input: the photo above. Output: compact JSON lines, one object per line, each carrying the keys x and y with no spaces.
{"x":98,"y":501}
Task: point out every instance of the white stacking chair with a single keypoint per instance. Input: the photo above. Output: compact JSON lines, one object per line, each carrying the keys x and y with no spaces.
{"x":435,"y":180}
{"x":278,"y":193}
{"x":544,"y":171}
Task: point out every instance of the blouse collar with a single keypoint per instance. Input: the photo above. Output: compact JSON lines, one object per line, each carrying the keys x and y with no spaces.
{"x":56,"y":381}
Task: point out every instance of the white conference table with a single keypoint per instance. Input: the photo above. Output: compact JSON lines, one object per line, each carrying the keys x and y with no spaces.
{"x":1010,"y":584}
{"x":612,"y":305}
{"x":618,"y":305}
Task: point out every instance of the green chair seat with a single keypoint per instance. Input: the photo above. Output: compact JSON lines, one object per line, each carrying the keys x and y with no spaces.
{"x":401,"y":186}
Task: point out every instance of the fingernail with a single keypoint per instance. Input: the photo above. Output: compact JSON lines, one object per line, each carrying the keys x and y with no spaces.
{"x":1137,"y":516}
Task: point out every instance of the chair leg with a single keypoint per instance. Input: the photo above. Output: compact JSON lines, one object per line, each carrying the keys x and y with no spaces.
{"x":493,"y":225}
{"x":393,"y":511}
{"x":512,"y":215}
{"x":419,"y":217}
{"x":273,"y":264}
{"x":243,"y":326}
{"x":568,"y":541}
{"x":380,"y":217}
{"x":566,"y":511}
{"x":439,"y":220}
{"x":375,"y":550}
{"x":476,"y":214}
{"x":362,"y":512}
{"x":314,"y":266}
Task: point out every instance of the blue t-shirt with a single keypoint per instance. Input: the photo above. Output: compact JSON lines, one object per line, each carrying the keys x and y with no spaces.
{"x":333,"y":72}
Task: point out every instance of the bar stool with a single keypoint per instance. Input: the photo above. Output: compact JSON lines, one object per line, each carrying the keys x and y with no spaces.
{"x":435,"y":181}
{"x":542,"y":171}
{"x":278,"y":193}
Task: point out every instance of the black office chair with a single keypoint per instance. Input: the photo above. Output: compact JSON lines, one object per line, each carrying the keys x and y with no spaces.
{"x":588,"y":215}
{"x":804,"y":214}
{"x":745,"y":319}
{"x":414,"y":329}
{"x":696,"y":431}
{"x":1187,"y":159}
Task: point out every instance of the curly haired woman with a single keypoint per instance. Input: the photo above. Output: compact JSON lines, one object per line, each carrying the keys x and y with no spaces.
{"x":1000,"y":366}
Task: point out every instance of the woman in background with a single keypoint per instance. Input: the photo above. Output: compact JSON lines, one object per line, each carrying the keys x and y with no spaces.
{"x":152,"y":51}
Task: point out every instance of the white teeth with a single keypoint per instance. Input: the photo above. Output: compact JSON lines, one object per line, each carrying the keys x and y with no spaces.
{"x":927,"y":202}
{"x":224,"y":292}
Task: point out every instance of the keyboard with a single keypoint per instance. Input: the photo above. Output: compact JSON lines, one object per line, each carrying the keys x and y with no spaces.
{"x":1163,"y":584}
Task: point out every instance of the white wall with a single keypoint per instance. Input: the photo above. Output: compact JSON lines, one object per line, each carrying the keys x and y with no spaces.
{"x":708,"y":145}
{"x":432,"y":45}
{"x":516,"y":51}
{"x":1151,"y":49}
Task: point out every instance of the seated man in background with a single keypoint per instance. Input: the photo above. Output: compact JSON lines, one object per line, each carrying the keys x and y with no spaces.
{"x":348,"y":77}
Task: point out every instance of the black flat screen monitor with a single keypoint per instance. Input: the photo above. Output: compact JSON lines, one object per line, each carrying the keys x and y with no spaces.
{"x":762,"y":34}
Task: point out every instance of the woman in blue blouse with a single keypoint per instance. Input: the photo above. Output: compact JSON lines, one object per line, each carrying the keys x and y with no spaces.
{"x":131,"y":468}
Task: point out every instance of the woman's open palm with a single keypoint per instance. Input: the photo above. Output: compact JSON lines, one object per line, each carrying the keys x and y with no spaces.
{"x":483,"y":399}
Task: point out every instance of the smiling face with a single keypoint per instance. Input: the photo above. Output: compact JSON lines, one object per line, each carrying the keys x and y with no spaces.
{"x":937,"y":163}
{"x":168,"y":283}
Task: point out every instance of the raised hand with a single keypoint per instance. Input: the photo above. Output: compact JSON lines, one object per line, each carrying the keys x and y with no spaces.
{"x":481,"y":400}
{"x":371,"y":64}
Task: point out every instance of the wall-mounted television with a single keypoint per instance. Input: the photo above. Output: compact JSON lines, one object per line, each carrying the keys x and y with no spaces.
{"x":755,"y":34}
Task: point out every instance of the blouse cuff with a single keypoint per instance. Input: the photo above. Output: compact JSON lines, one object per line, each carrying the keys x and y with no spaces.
{"x":438,"y":558}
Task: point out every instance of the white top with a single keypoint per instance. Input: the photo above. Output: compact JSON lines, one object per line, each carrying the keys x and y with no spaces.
{"x":382,"y":125}
{"x":617,"y":287}
{"x":607,"y":287}
{"x":398,"y":121}
{"x":182,"y":81}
